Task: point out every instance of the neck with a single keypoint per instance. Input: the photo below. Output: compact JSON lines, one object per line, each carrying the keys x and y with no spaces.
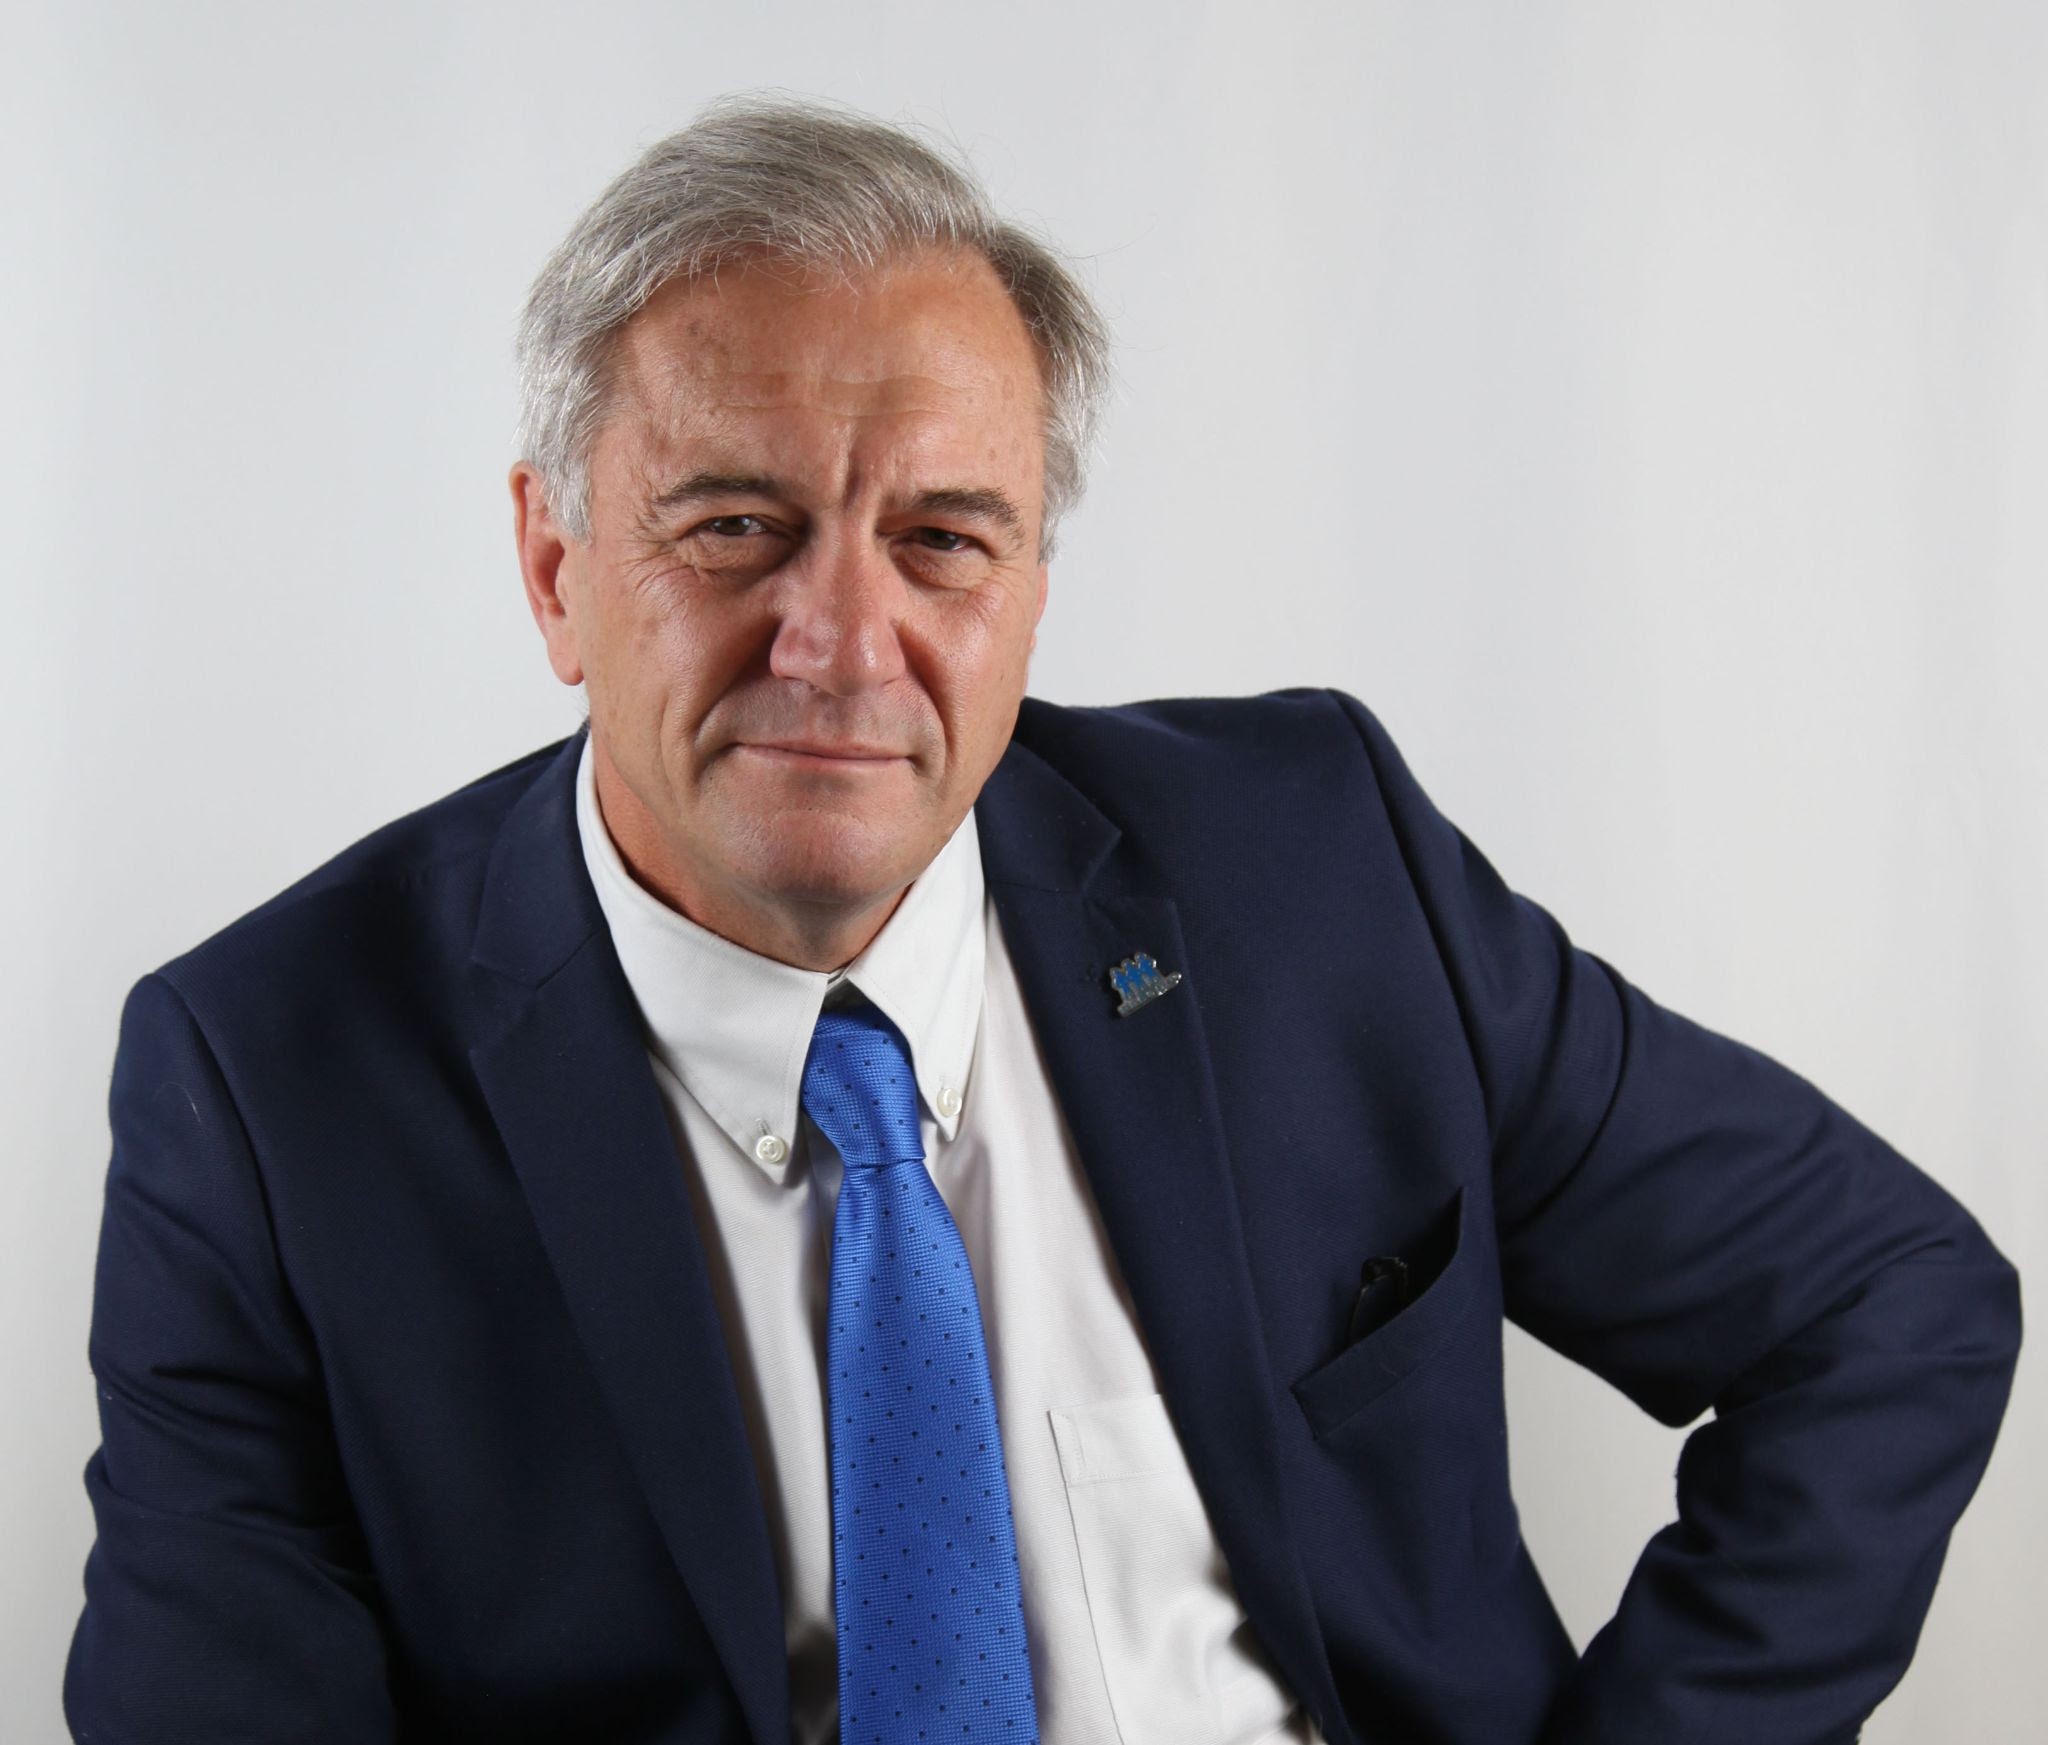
{"x":810,"y":936}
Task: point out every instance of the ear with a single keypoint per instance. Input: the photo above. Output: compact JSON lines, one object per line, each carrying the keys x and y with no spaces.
{"x":548,"y":562}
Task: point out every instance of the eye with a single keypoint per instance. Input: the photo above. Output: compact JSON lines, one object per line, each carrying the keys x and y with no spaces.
{"x":731,"y":526}
{"x":940,"y":539}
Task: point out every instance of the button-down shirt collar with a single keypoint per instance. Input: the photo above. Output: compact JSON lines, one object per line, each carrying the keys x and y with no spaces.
{"x":734,"y":1027}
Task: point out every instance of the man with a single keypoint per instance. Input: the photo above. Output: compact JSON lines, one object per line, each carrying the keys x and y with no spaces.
{"x":841,"y":1200}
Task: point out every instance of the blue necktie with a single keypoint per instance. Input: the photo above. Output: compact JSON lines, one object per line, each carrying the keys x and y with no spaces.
{"x":926,"y":1590}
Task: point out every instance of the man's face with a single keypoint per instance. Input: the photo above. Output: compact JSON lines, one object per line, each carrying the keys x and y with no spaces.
{"x":814,"y":522}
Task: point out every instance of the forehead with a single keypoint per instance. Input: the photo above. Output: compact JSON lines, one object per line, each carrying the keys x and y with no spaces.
{"x":933,"y":337}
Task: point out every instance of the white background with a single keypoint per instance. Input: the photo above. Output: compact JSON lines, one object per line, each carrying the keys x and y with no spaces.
{"x":1643,"y":407}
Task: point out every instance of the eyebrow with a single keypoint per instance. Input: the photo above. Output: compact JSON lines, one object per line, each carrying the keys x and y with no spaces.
{"x":700,"y":486}
{"x":982,"y":502}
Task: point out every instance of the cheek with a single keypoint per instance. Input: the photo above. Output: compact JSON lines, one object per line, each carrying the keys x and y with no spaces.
{"x":1010,"y":641}
{"x":669,"y":651}
{"x":982,"y":670}
{"x":691,"y":615}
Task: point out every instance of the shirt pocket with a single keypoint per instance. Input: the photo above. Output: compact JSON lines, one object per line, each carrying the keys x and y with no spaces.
{"x":1179,"y":1656}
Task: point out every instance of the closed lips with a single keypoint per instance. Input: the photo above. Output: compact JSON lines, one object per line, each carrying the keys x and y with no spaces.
{"x":846,"y":751}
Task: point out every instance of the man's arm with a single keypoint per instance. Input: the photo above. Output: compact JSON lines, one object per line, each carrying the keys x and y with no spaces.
{"x":1703,"y":1228}
{"x":228,"y":1597}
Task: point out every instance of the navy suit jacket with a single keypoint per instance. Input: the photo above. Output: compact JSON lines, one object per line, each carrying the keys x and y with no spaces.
{"x":417,"y":1419}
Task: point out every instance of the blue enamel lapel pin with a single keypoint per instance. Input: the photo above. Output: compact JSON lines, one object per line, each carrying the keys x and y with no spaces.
{"x":1138,"y":981}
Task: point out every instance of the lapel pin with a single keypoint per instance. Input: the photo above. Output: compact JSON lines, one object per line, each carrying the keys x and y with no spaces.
{"x":1138,"y":981}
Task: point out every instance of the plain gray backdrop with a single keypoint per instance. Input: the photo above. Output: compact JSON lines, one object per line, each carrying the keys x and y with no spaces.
{"x":1644,"y":408}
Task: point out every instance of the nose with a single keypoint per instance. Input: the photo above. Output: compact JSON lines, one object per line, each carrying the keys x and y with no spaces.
{"x":836,"y":623}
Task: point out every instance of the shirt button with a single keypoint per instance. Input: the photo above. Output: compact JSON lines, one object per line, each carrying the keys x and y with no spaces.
{"x":770,"y":1149}
{"x":949,"y":1101}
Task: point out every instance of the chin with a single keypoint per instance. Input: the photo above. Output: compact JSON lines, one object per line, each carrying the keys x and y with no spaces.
{"x":838,"y":864}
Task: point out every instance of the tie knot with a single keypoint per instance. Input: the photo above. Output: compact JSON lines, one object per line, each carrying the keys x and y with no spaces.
{"x":859,"y":1088}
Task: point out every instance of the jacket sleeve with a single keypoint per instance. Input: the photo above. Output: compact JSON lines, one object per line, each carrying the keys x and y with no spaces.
{"x":1701,"y":1227}
{"x":227,"y":1597}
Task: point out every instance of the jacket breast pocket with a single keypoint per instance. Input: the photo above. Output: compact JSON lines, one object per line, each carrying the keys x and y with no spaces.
{"x":1342,"y":1386}
{"x":1179,"y":1656}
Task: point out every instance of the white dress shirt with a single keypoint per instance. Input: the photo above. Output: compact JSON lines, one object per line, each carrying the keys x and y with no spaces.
{"x":1136,"y":1634}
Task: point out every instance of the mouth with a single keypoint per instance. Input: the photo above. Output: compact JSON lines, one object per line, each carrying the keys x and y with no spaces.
{"x":797,"y":755}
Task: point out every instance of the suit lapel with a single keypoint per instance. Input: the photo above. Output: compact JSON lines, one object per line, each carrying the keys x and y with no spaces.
{"x":575,"y":1100}
{"x":1139,"y":1097}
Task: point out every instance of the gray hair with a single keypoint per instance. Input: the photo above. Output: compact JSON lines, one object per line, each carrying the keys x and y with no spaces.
{"x":806,"y":182}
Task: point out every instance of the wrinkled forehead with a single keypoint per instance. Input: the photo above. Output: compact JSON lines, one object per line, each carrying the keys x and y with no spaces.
{"x":935,"y":334}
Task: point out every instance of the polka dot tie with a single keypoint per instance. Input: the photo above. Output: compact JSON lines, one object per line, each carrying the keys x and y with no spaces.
{"x":926,"y":1590}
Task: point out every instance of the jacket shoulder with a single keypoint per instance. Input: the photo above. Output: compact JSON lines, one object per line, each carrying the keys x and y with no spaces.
{"x":1169,"y":762}
{"x":351,"y":901}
